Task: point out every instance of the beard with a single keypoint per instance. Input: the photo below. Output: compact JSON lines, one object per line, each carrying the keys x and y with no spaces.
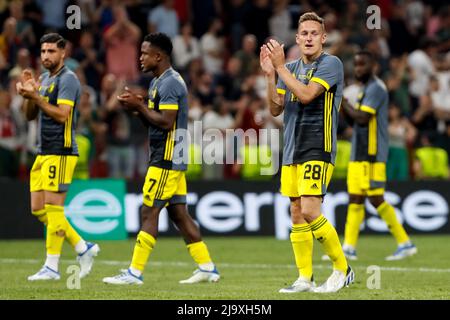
{"x":50,"y":66}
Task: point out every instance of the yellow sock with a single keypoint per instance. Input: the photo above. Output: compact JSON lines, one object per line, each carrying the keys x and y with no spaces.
{"x":199,"y":252}
{"x":72,"y":236}
{"x":144,"y":246}
{"x":355,"y":216}
{"x":302,"y":244}
{"x":56,"y":228}
{"x":41,"y":215}
{"x":387,"y":213}
{"x":326,"y":234}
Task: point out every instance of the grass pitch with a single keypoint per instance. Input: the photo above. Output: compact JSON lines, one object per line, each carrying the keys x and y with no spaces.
{"x":251,"y":267}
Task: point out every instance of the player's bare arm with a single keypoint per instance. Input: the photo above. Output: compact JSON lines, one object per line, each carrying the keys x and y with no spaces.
{"x":305,"y":93}
{"x":274,"y":99}
{"x":58,"y":113}
{"x":358,"y":116}
{"x":29,"y":107}
{"x":135,"y":103}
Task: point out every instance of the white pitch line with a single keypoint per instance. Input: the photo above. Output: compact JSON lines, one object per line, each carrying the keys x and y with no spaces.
{"x":226,"y":265}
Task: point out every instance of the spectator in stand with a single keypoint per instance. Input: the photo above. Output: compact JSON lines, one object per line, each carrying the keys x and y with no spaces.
{"x":420,"y":63}
{"x":440,"y":99}
{"x":397,"y":80}
{"x":163,"y":19}
{"x":204,"y":90}
{"x":71,"y":63}
{"x":218,"y":118}
{"x":23,"y":61}
{"x":443,"y":33}
{"x":235,"y":11}
{"x":229,"y":83}
{"x":121,"y":155}
{"x":54,"y":12}
{"x":249,"y":60}
{"x":122,"y":43}
{"x":10,"y":141}
{"x":280,"y":23}
{"x":89,"y":124}
{"x":402,"y":135}
{"x":9,"y":44}
{"x":256,"y":20}
{"x":212,"y":46}
{"x":103,"y":15}
{"x":186,"y":47}
{"x":91,"y":61}
{"x":24,"y":28}
{"x":334,"y":42}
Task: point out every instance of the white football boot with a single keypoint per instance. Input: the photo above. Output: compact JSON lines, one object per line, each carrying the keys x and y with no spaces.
{"x":300,"y":285}
{"x":45,"y":274}
{"x":125,"y":277}
{"x":200,"y":275}
{"x":86,"y":259}
{"x":337,"y":281}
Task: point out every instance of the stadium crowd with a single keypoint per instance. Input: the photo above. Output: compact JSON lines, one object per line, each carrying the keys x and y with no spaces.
{"x":216,"y":49}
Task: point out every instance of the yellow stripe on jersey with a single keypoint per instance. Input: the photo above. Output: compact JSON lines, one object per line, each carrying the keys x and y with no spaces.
{"x":281,"y":91}
{"x":151,"y":104}
{"x":65,"y":101}
{"x":168,"y":153}
{"x":322,"y":82}
{"x":328,"y":107}
{"x":372,"y":148}
{"x":168,"y":107}
{"x":367,"y":109}
{"x":68,"y":130}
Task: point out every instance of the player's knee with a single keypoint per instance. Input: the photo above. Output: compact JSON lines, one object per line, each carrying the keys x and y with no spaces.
{"x":308,"y":214}
{"x":149,"y":215}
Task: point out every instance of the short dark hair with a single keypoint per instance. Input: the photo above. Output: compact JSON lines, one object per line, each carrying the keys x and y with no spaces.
{"x":366,"y":53}
{"x":54,"y":38}
{"x":160,"y":40}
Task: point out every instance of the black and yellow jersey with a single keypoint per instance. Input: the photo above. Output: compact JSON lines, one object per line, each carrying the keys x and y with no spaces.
{"x":55,"y":138}
{"x":168,"y":148}
{"x":311,"y":129}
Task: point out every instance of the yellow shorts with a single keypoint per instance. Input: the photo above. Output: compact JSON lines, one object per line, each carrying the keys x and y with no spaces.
{"x":163,"y":187}
{"x":52,"y":173}
{"x":307,"y":179}
{"x":366,"y":178}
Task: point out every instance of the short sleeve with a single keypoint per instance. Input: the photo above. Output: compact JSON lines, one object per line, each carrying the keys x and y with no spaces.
{"x":328,"y":72}
{"x":373,"y":99}
{"x":169,"y":95}
{"x":68,"y":89}
{"x":281,"y":86}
